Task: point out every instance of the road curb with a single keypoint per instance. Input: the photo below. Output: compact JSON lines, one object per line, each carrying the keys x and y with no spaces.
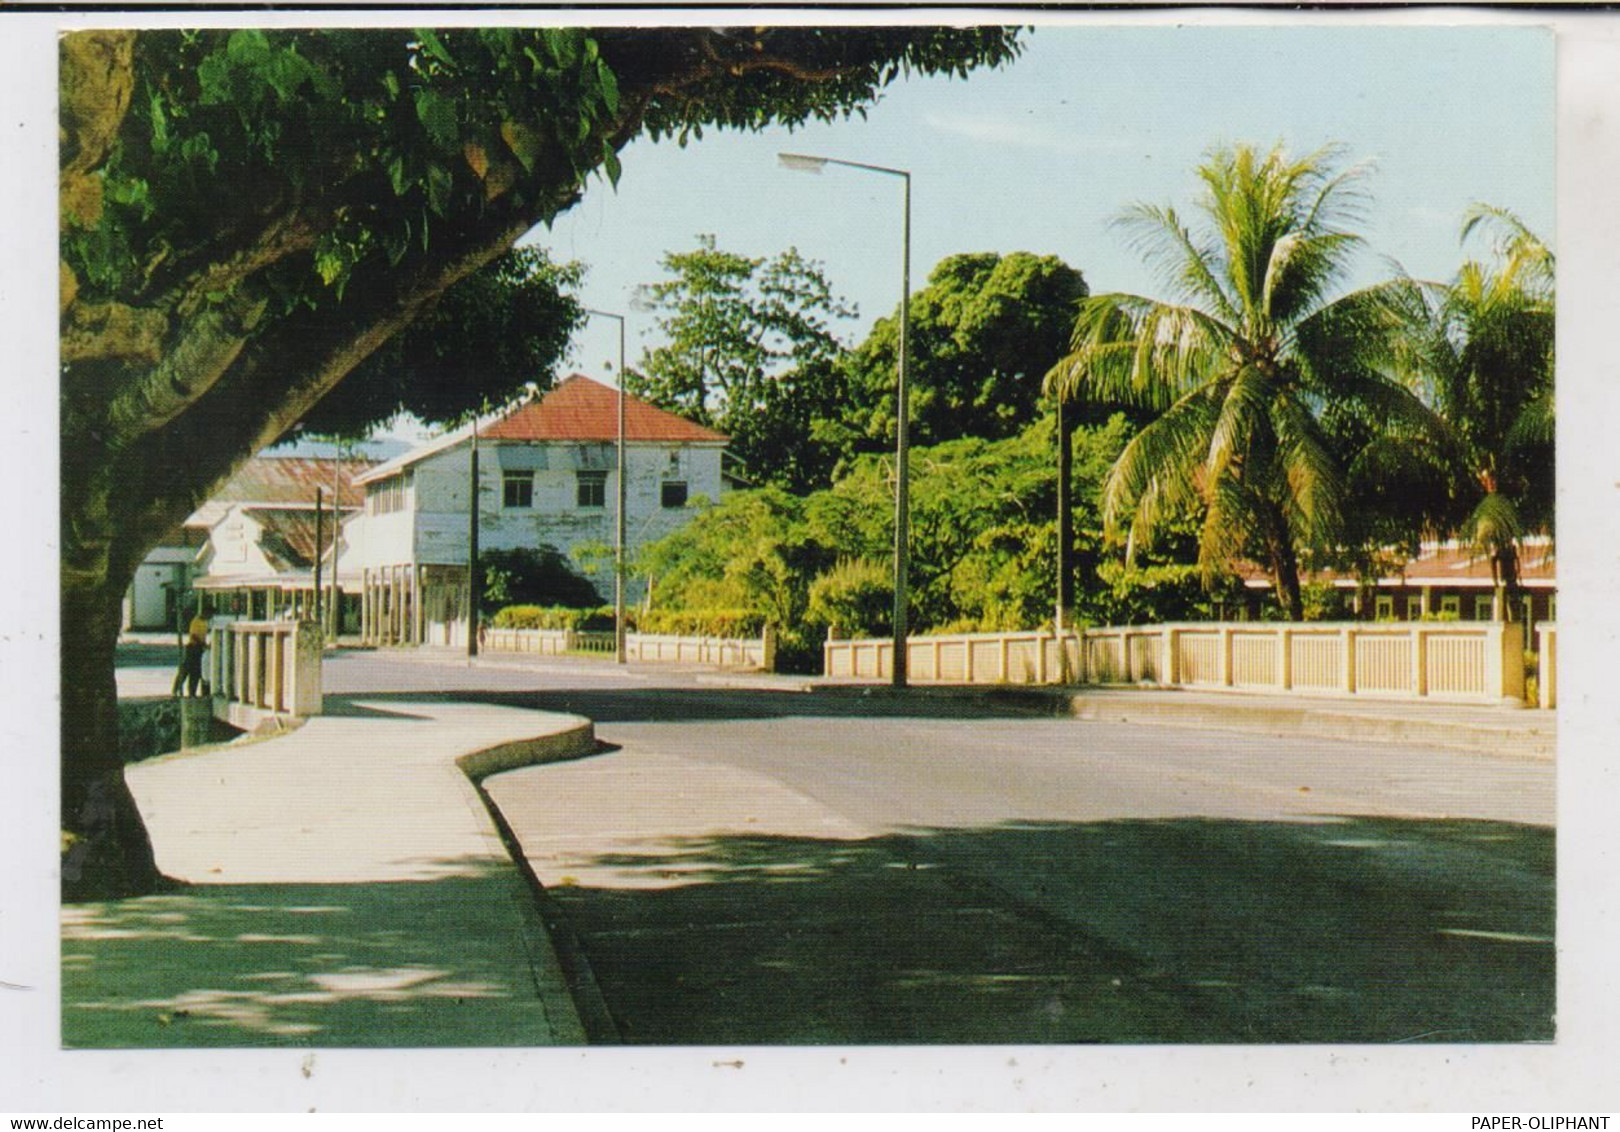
{"x":1320,"y":719}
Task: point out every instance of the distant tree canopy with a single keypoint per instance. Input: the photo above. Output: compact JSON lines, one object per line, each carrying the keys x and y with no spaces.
{"x":982,"y":554}
{"x":249,"y":215}
{"x":984,"y":332}
{"x":749,"y":348}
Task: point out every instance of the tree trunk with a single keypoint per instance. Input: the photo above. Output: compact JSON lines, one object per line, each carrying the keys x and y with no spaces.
{"x":1065,"y":522}
{"x":1506,"y":568}
{"x":1285,"y":579}
{"x":107,"y":852}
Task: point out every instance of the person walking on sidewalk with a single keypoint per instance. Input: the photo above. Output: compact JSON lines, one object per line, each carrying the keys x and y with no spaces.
{"x":189,"y":674}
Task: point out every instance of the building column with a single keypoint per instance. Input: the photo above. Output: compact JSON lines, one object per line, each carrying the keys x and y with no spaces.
{"x":422,"y":604}
{"x":415,"y":579}
{"x":393,"y":605}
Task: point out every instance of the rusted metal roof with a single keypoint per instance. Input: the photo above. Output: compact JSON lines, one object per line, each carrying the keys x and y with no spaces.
{"x":288,"y":535}
{"x":1442,"y":564}
{"x":285,"y":479}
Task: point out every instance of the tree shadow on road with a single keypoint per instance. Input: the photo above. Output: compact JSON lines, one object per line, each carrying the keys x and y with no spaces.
{"x":1178,"y":930}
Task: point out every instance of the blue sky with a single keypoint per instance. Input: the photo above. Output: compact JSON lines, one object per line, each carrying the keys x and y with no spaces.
{"x":1040,"y":155}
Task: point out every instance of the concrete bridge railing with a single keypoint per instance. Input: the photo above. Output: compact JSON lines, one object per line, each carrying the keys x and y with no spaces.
{"x":1461,"y":661}
{"x":721,"y":652}
{"x":265,"y":670}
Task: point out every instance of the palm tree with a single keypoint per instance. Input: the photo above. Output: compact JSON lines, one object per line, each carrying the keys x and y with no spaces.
{"x":1479,"y":352}
{"x":1240,"y":367}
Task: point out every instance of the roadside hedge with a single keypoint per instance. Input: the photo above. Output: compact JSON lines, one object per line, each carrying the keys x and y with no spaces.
{"x":677,"y":622}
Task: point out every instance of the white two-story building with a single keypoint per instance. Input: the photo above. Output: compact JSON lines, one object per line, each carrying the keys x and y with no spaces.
{"x":547,"y":476}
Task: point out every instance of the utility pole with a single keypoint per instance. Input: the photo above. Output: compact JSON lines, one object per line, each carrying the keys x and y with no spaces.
{"x":334,"y":610}
{"x":1065,"y":541}
{"x":472,"y":544}
{"x":319,"y":510}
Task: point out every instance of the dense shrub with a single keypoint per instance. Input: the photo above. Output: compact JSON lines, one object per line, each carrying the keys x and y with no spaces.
{"x":856,"y":597}
{"x":540,"y":617}
{"x":533,"y":576}
{"x":735,"y":623}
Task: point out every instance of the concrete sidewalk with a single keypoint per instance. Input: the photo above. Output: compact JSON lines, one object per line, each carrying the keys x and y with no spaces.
{"x":344,"y":886}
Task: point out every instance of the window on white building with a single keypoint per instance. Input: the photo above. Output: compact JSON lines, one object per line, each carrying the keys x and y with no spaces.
{"x":673,"y":493}
{"x":1414,"y":609}
{"x":1451,"y":605}
{"x":386,"y":496}
{"x":1384,"y":607}
{"x":1482,"y":607}
{"x":517,"y":490}
{"x":592,"y":489}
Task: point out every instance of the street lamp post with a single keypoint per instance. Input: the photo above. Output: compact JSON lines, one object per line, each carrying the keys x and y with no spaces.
{"x":473,"y":582}
{"x":618,"y":531}
{"x":808,"y":163}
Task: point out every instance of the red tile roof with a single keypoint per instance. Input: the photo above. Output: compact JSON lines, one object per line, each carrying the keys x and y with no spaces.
{"x":584,"y":410}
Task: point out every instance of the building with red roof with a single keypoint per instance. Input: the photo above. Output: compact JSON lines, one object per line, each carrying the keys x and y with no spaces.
{"x":547,"y":477}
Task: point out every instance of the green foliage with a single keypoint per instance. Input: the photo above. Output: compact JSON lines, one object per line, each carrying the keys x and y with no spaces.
{"x":730,"y":623}
{"x":751,"y":551}
{"x":983,"y":333}
{"x":982,"y":552}
{"x":532,"y":576}
{"x":548,"y":617}
{"x":1479,"y":352}
{"x":1323,"y":601}
{"x":855,"y":598}
{"x":494,"y":333}
{"x":1239,"y":363}
{"x":749,"y":349}
{"x":396,"y":130}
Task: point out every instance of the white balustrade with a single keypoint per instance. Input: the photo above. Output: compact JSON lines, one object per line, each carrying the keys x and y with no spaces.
{"x":261,"y":670}
{"x":1463,"y":661}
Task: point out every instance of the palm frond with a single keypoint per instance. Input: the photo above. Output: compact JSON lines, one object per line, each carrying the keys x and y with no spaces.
{"x":1135,"y":351}
{"x":1185,"y":265}
{"x":1492,"y":525}
{"x":1241,"y":419}
{"x":1157,"y":472}
{"x":1314,"y":499}
{"x":1512,"y":241}
{"x":1536,"y":423}
{"x":1302,"y":270}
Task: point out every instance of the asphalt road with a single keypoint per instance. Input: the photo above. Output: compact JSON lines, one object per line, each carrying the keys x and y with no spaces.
{"x":749,"y":866}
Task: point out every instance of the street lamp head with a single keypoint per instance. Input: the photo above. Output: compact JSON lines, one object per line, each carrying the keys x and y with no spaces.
{"x":801,"y":162}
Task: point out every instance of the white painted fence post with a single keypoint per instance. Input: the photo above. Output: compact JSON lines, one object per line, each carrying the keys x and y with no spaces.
{"x":1350,"y":661}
